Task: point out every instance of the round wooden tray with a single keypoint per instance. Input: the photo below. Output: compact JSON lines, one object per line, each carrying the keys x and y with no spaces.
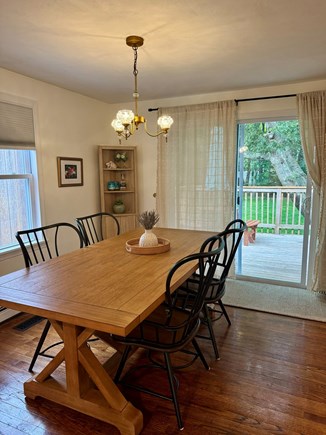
{"x":133,"y":247}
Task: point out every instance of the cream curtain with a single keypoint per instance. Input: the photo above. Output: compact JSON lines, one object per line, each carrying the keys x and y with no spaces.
{"x":312,"y":118}
{"x":196,"y":167}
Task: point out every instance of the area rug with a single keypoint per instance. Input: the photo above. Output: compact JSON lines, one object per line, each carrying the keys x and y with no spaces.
{"x":288,"y":301}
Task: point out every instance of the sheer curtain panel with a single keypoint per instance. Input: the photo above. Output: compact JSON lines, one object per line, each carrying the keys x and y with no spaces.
{"x":196,"y":167}
{"x":312,"y":118}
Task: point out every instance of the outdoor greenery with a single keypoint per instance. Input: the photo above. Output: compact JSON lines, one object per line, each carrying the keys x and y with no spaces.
{"x":265,"y":215}
{"x":274,"y":155}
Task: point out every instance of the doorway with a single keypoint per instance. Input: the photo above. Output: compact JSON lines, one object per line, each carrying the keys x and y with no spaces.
{"x":273,"y":196}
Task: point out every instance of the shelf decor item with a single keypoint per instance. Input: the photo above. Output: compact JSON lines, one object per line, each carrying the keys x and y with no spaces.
{"x":148,"y":219}
{"x":113,"y":185}
{"x":110,"y":165}
{"x":119,"y":207}
{"x":121,"y":158}
{"x":123,"y":183}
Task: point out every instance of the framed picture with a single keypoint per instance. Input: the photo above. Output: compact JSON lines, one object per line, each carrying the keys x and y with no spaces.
{"x":70,"y":171}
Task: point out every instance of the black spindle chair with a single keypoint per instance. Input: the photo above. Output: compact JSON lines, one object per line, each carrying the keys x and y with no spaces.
{"x":39,"y":245}
{"x":91,"y":226}
{"x":213,"y":307}
{"x":170,"y":328}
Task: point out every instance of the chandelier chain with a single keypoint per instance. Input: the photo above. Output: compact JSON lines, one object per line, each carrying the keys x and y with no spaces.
{"x":135,"y":95}
{"x":135,"y":60}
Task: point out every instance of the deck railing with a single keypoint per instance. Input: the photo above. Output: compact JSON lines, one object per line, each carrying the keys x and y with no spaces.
{"x":280,"y":209}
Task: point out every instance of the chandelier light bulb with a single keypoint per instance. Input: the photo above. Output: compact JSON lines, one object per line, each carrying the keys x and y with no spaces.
{"x":125,"y":116}
{"x":117,"y":125}
{"x":165,"y":122}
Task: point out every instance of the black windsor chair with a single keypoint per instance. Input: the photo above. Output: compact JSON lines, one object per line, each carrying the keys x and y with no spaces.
{"x":91,"y":226}
{"x":39,"y":245}
{"x":213,"y":307}
{"x":170,"y":328}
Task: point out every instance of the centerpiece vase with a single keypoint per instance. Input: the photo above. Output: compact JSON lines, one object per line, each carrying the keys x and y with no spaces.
{"x":147,"y":239}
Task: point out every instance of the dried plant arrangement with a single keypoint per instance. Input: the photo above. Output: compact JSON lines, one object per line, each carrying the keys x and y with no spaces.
{"x":148,"y":219}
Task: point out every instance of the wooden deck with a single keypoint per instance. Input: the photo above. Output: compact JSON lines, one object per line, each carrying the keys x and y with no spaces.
{"x":273,"y":256}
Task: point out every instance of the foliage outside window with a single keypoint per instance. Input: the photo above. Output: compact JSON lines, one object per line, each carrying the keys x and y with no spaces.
{"x":273,"y":160}
{"x":19,"y":204}
{"x":274,"y":155}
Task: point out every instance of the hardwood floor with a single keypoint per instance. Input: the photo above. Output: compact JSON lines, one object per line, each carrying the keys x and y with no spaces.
{"x":271,"y":379}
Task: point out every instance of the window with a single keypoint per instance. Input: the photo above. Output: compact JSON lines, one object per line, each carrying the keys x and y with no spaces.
{"x":19,"y":199}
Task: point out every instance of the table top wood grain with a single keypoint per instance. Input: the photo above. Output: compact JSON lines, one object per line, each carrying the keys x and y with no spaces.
{"x":102,"y":287}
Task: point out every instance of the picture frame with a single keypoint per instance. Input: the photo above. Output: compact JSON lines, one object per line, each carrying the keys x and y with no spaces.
{"x":70,"y":171}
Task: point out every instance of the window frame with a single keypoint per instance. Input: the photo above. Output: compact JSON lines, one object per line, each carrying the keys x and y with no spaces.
{"x":33,"y":177}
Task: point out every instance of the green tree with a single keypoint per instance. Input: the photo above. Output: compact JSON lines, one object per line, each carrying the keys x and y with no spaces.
{"x":274,"y":155}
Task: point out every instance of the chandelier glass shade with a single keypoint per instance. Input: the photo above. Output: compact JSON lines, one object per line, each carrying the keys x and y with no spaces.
{"x":126,"y":122}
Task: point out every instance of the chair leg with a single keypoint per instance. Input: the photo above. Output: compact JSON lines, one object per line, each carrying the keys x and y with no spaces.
{"x":211,"y":331}
{"x":200,"y":354}
{"x":122,"y":364}
{"x":40,"y":344}
{"x":173,"y":390}
{"x":224,"y":311}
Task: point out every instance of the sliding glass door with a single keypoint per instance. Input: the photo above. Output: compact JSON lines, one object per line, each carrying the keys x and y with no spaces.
{"x":273,"y":197}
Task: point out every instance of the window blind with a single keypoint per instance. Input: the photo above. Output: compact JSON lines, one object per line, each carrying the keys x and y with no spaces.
{"x":16,"y":126}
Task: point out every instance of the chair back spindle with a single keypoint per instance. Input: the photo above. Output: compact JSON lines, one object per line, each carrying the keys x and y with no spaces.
{"x":91,"y":226}
{"x":42,"y":243}
{"x":231,"y":236}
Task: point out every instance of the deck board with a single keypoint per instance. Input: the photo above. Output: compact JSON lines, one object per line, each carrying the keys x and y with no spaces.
{"x":273,"y":256}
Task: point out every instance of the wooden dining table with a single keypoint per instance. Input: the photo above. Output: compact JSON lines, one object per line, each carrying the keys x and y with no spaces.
{"x":99,"y":288}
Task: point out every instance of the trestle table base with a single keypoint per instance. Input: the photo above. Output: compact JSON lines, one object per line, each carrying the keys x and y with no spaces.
{"x":88,"y":388}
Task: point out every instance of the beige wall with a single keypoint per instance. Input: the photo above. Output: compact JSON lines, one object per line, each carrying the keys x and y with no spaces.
{"x":69,"y":124}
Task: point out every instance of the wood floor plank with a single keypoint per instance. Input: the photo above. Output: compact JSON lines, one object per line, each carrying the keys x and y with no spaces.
{"x":271,"y":379}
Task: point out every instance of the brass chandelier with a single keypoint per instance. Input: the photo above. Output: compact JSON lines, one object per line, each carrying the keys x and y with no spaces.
{"x":126,"y":122}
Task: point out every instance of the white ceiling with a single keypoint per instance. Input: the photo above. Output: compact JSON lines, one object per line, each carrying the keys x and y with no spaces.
{"x":191,"y":46}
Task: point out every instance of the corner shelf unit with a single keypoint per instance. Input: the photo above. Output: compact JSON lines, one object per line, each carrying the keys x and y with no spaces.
{"x":126,"y":171}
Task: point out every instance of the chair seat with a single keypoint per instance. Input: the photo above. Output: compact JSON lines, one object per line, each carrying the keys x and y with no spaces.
{"x":216,"y":290}
{"x":162,"y":331}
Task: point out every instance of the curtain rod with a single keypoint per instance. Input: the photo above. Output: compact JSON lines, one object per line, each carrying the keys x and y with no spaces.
{"x":263,"y":98}
{"x":248,"y":99}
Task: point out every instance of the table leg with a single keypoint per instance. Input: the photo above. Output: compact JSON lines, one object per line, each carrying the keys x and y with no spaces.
{"x":87,"y":388}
